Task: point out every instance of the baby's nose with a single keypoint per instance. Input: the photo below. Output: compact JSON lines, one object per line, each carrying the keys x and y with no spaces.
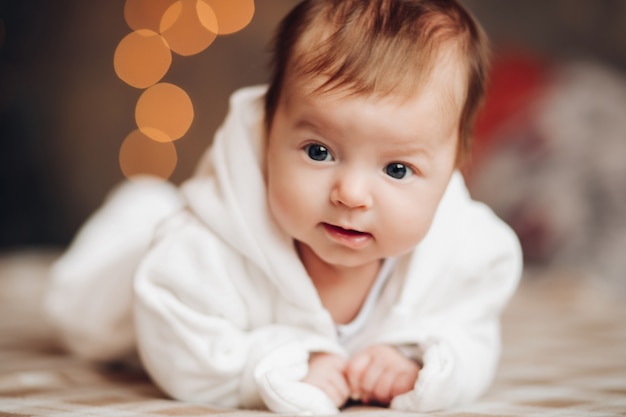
{"x":352,"y":190}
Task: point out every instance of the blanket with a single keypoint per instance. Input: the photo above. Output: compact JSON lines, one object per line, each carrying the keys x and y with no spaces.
{"x":564,"y":355}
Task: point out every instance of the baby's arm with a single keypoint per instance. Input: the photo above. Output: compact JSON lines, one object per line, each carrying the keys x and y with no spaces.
{"x":457,"y":324}
{"x":326,"y":372}
{"x":201,"y":341}
{"x":380,"y":373}
{"x":89,"y":295}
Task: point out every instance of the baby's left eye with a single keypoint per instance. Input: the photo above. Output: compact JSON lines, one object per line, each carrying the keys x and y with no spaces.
{"x":398,"y":170}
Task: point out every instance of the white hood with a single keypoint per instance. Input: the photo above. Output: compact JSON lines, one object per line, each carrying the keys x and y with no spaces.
{"x":228,"y":193}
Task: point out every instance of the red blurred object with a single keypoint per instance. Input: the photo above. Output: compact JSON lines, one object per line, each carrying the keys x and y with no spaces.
{"x":517,"y":78}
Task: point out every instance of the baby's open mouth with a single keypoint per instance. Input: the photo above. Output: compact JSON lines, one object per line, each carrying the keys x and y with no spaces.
{"x":339,"y":229}
{"x":351,"y":238}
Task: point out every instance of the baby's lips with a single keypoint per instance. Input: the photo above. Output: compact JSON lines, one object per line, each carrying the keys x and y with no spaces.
{"x":347,"y":230}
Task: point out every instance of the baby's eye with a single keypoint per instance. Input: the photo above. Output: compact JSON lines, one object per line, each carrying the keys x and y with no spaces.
{"x":318,"y":152}
{"x":398,"y":170}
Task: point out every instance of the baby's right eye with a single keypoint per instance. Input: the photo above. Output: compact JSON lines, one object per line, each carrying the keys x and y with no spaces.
{"x":318,"y":152}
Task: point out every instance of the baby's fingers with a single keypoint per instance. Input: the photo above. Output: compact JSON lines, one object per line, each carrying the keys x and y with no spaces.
{"x":383,"y":390}
{"x":403,"y":383}
{"x":369,"y":380}
{"x":338,"y":390}
{"x":355,"y":370}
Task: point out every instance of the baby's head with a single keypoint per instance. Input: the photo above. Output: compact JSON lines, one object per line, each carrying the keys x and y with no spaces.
{"x":368,"y":114}
{"x":380,"y":48}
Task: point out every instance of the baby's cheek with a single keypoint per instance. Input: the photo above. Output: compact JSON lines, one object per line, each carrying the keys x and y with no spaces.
{"x":283,"y":202}
{"x":276,"y":204}
{"x":412,"y":227}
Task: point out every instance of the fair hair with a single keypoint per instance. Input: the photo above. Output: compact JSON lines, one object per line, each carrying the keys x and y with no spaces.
{"x":379,"y":48}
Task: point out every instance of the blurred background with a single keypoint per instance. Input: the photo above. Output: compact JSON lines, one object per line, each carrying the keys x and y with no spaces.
{"x":551,"y":144}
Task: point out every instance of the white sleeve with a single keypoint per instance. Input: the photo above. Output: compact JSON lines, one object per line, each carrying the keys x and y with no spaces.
{"x":459,"y":331}
{"x":89,"y":294}
{"x":196,"y":335}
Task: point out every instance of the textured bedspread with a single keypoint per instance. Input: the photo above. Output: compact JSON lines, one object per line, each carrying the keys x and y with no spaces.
{"x":564,"y":355}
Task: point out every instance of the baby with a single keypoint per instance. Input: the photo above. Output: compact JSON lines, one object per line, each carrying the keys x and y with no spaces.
{"x":327,"y":249}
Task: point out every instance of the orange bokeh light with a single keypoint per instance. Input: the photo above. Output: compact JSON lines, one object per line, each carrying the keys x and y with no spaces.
{"x":232,"y":15}
{"x":139,"y":155}
{"x":145,"y":14}
{"x":142,"y":58}
{"x":164,"y":112}
{"x":189,"y":26}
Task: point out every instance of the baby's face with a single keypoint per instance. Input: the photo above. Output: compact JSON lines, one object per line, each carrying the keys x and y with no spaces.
{"x":355,"y":180}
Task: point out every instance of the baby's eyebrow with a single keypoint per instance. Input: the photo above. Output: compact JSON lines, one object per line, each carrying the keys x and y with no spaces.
{"x":409,"y":149}
{"x":309,"y":125}
{"x":306,"y":124}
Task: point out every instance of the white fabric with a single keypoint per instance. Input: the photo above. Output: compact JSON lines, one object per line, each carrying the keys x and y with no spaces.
{"x":90,"y":293}
{"x":346,"y":331}
{"x":225,"y":313}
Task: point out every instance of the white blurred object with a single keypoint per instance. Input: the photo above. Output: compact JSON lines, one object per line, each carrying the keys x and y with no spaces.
{"x":95,"y":275}
{"x":560,"y":178}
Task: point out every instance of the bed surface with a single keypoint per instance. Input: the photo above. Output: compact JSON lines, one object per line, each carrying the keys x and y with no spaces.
{"x":564,"y":355}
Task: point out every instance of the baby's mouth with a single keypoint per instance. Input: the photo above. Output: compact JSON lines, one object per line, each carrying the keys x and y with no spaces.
{"x":348,"y":237}
{"x":339,"y":229}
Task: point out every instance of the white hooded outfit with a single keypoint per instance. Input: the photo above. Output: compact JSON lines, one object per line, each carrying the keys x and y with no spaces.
{"x":225,"y":313}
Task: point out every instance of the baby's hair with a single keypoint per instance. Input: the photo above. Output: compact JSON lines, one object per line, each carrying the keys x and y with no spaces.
{"x":379,"y":48}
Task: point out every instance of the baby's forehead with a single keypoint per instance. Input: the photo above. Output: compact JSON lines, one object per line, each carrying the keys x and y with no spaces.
{"x":433,"y":110}
{"x":446,"y":77}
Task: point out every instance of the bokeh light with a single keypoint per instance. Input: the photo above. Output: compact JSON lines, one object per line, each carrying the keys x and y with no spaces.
{"x":164,"y":112}
{"x":142,"y":58}
{"x":145,"y":14}
{"x":189,"y":26}
{"x":139,"y":155}
{"x":232,"y":15}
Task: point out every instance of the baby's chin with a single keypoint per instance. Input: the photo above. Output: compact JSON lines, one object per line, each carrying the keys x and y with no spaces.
{"x":344,"y":258}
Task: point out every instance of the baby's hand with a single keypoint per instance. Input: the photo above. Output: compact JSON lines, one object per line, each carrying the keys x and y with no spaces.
{"x":379,"y":373}
{"x":326,"y":371}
